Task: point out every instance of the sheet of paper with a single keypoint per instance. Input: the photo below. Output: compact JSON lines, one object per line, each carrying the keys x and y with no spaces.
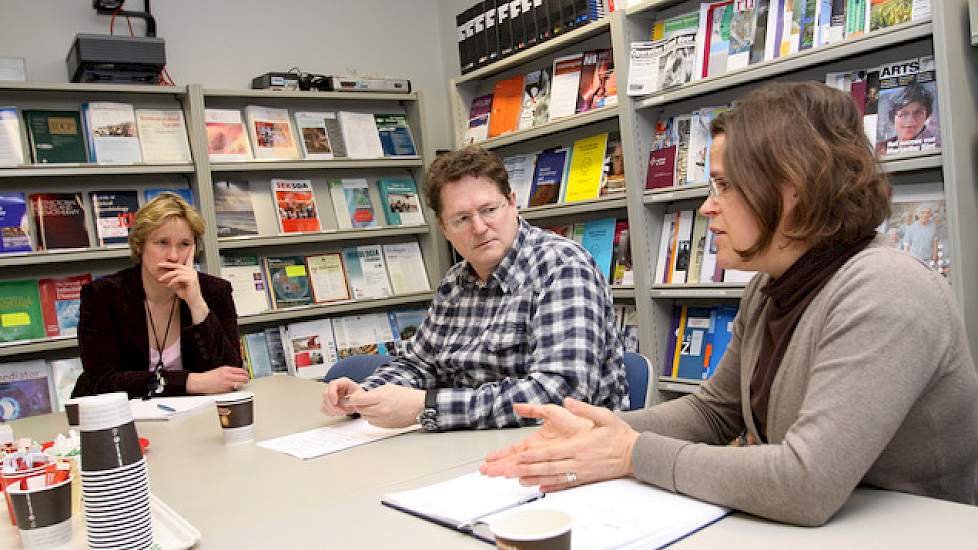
{"x":330,"y":439}
{"x":151,"y":409}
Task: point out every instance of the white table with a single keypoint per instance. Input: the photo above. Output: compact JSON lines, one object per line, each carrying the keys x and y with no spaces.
{"x":248,"y":497}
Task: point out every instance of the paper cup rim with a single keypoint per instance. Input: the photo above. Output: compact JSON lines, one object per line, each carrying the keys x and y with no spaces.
{"x":236,"y":397}
{"x":501,"y":532}
{"x":19,"y":491}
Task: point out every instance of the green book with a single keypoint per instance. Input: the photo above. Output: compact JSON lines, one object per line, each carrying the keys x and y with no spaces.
{"x":55,"y":136}
{"x":20,"y":311}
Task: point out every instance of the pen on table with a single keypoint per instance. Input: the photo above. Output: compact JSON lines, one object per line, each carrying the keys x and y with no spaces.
{"x":166,"y":408}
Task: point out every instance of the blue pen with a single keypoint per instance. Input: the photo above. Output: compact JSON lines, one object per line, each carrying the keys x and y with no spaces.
{"x":166,"y":408}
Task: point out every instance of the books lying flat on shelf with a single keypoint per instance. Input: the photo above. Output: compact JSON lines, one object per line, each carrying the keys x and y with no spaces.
{"x":400,"y":199}
{"x":918,"y":225}
{"x":310,"y":348}
{"x":313,"y":135}
{"x":27,"y":389}
{"x":295,"y":205}
{"x":227,"y":140}
{"x":61,"y":303}
{"x":586,"y":168}
{"x":15,"y":233}
{"x":351,"y":203}
{"x":112,"y":133}
{"x":507,"y":98}
{"x":65,"y":373}
{"x":328,"y":277}
{"x":271,"y":133}
{"x":609,"y":514}
{"x":234,"y":209}
{"x":395,"y":135}
{"x":288,"y":281}
{"x":11,"y":148}
{"x":478,"y":128}
{"x":163,"y":136}
{"x":115,"y":214}
{"x":20,"y":311}
{"x":406,"y":268}
{"x":183,"y":192}
{"x":564,"y":86}
{"x":368,"y":334}
{"x":331,"y":439}
{"x":360,"y":135}
{"x":248,"y":289}
{"x":60,"y":220}
{"x":55,"y":136}
{"x":366,"y":271}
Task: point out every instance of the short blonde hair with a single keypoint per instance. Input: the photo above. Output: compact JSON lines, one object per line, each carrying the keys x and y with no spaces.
{"x":158,"y":212}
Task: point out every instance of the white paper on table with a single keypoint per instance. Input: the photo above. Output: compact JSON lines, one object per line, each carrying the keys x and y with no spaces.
{"x":330,"y":439}
{"x":150,"y":409}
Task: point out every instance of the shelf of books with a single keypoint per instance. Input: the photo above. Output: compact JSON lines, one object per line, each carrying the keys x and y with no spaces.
{"x":864,"y":48}
{"x":229,"y":243}
{"x":608,"y":202}
{"x":39,"y":345}
{"x":63,"y":256}
{"x":678,"y":385}
{"x":309,"y":96}
{"x":84,"y":169}
{"x":338,"y":164}
{"x":324,"y":310}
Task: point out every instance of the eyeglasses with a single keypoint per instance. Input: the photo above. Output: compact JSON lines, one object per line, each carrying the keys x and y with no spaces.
{"x":486,"y":214}
{"x":718,"y":186}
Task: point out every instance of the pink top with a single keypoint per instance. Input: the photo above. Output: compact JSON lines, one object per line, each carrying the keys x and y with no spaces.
{"x":171,"y":357}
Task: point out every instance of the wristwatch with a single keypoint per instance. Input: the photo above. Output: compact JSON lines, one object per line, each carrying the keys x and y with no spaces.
{"x":428,"y":417}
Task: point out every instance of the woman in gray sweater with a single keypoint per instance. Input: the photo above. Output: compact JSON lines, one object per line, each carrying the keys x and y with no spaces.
{"x":849,"y":362}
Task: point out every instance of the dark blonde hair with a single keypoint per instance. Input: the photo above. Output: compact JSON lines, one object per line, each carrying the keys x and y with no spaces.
{"x":158,"y":212}
{"x":809,"y":136}
{"x":471,"y":161}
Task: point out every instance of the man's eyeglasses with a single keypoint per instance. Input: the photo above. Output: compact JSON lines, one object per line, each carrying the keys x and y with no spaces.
{"x":718,"y":186}
{"x":486,"y":214}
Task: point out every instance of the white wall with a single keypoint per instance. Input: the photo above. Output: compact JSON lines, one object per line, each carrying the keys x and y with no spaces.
{"x":224,"y":43}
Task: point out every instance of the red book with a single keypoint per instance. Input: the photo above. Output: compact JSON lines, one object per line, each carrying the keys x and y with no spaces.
{"x":60,"y":303}
{"x":60,"y":220}
{"x":662,"y":168}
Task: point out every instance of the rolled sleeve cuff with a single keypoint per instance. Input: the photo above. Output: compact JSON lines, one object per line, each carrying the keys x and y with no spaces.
{"x":654,"y":459}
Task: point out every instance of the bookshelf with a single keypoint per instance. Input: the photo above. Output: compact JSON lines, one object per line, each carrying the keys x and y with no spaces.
{"x":560,"y":132}
{"x":945,"y":34}
{"x":200,"y":176}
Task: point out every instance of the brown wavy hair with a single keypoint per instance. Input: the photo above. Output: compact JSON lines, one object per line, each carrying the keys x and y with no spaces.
{"x":470,"y":161}
{"x":809,"y":136}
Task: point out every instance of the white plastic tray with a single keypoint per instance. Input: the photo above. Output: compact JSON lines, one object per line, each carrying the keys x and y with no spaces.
{"x":171,"y":530}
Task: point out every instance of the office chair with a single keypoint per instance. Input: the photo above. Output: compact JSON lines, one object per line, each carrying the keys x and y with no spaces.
{"x":356,"y":367}
{"x":638,"y":370}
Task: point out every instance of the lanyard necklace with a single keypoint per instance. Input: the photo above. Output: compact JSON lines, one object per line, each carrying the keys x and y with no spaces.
{"x":158,"y":371}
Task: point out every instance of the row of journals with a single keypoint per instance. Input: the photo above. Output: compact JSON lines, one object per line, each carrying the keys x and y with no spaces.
{"x":576,"y":83}
{"x":607,"y":241}
{"x":50,"y":221}
{"x":237,"y":209}
{"x":698,"y":337}
{"x":491,"y":30}
{"x":589,"y":169}
{"x":727,"y":35}
{"x":362,"y":272}
{"x":319,"y":135}
{"x":102,"y":132}
{"x":688,"y":254}
{"x":45,"y":308}
{"x":29,"y":388}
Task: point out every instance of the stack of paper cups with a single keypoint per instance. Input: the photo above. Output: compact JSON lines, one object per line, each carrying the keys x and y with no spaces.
{"x":115,"y":486}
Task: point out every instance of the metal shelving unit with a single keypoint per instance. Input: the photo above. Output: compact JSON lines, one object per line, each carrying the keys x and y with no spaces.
{"x":337,"y":164}
{"x":230,"y":243}
{"x":326,"y":310}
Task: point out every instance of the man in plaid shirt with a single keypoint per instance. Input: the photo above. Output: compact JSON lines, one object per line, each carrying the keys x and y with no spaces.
{"x":527,"y":318}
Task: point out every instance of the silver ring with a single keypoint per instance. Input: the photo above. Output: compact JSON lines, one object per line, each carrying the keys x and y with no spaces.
{"x":570,"y":477}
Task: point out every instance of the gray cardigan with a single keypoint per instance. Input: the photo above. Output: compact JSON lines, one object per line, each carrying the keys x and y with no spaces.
{"x":877,"y":387}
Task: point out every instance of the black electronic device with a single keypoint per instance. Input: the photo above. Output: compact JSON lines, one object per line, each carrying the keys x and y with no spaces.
{"x":276,"y":81}
{"x":106,"y":58}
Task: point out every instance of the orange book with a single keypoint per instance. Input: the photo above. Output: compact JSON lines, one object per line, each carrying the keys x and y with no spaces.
{"x":507,"y":99}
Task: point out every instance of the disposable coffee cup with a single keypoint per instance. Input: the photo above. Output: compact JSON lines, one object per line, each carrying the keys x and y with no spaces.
{"x":236,"y":413}
{"x":43,"y":515}
{"x":535,"y":529}
{"x":71,"y":412}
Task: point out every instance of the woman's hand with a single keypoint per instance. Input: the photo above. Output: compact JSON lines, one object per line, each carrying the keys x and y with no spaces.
{"x":218,"y":380}
{"x":579,"y":444}
{"x":184,"y":281}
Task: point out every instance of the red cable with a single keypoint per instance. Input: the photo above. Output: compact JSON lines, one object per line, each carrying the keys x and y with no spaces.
{"x":130,"y":27}
{"x":112,"y":21}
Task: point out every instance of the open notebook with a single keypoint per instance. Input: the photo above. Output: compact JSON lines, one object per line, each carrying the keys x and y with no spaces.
{"x":621,"y":513}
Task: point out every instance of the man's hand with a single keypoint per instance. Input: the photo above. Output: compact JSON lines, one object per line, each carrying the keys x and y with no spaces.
{"x":336,"y":397}
{"x":217,"y":380}
{"x":389,"y":406}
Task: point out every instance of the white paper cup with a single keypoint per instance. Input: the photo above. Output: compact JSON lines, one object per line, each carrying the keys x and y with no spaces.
{"x":533,"y":529}
{"x":104,"y":411}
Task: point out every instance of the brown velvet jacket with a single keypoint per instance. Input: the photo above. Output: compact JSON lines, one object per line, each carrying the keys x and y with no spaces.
{"x":112,"y":335}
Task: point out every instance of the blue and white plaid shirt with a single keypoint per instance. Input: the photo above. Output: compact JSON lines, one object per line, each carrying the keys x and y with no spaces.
{"x":541,"y":328}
